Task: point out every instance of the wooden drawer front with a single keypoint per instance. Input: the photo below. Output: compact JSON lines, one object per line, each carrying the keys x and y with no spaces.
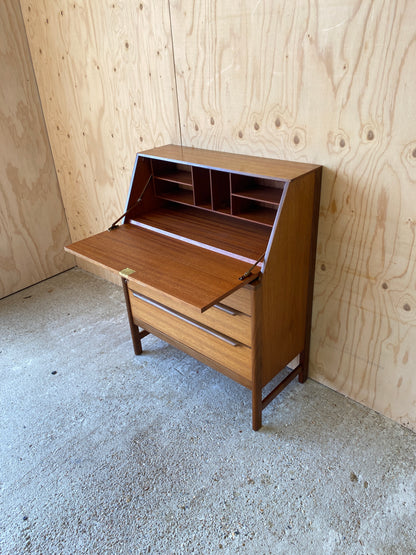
{"x":240,"y":300}
{"x":222,"y":317}
{"x":209,"y":342}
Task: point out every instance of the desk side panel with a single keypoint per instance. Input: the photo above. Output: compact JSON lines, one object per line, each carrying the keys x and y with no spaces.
{"x":285,"y":283}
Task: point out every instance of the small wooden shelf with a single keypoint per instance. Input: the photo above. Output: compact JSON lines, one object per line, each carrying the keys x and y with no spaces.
{"x":182,"y":196}
{"x":174,"y":172}
{"x":204,"y":206}
{"x":259,"y":215}
{"x":223,"y":210}
{"x":266,"y":195}
{"x":178,"y":176}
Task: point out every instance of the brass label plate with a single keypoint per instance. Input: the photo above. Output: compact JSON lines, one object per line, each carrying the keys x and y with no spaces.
{"x":126,"y":272}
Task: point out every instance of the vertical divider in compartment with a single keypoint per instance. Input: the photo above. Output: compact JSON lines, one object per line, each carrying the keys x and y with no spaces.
{"x":202,"y":189}
{"x":236,"y":183}
{"x":220,"y":191}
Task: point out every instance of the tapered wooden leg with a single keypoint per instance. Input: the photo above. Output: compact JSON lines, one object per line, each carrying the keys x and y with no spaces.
{"x":304,"y":366}
{"x":136,"y":335}
{"x":257,"y":353}
{"x":257,"y":407}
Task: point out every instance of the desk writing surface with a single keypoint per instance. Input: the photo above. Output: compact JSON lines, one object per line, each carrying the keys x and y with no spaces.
{"x":244,"y":239}
{"x":192,"y":274}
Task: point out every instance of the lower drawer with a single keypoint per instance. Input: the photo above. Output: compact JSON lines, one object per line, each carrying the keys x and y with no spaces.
{"x":207,"y":341}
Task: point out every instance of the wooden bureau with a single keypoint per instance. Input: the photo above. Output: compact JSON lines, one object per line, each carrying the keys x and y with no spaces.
{"x":216,"y":253}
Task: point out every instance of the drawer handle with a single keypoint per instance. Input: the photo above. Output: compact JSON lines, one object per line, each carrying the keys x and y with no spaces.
{"x":226,"y":309}
{"x":212,"y":332}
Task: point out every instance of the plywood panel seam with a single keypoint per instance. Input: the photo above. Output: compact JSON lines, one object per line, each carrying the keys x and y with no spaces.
{"x":174,"y":74}
{"x":44,"y":119}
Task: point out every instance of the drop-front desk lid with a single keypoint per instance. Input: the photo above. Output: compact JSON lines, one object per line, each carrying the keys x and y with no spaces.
{"x":192,"y":274}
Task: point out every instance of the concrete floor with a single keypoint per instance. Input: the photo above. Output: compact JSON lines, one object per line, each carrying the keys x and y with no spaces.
{"x":104,"y":452}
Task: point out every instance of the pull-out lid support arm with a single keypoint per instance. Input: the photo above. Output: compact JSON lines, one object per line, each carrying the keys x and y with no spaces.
{"x":248,"y":273}
{"x":114,"y":225}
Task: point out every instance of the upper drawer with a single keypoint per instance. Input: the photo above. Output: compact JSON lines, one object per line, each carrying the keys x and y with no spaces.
{"x":223,"y":317}
{"x":240,"y":300}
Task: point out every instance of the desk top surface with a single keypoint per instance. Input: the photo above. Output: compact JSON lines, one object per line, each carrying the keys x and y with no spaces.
{"x":234,"y":163}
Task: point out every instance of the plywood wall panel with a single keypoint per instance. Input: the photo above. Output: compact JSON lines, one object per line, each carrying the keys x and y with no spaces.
{"x":33,"y":227}
{"x":105,"y":75}
{"x":319,"y":81}
{"x":330,"y":83}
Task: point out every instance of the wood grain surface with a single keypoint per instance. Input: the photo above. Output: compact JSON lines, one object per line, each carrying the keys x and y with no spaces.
{"x":330,"y":84}
{"x":33,"y":228}
{"x":285,"y":281}
{"x":220,"y":317}
{"x":236,"y":163}
{"x":240,"y":239}
{"x":198,"y":277}
{"x":236,"y":358}
{"x":105,"y":76}
{"x":321,"y":82}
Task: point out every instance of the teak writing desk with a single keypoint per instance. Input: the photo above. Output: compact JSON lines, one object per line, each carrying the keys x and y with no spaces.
{"x":216,"y":254}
